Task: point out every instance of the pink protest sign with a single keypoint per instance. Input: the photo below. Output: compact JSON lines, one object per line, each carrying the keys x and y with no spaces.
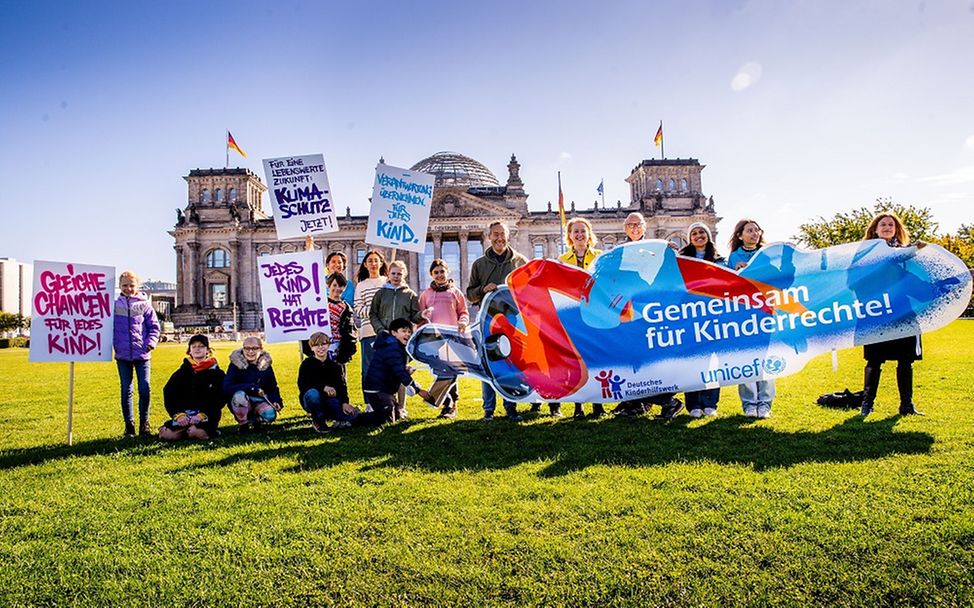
{"x":72,"y":312}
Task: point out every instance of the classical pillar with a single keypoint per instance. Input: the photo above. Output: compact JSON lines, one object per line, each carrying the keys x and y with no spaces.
{"x":437,"y":245}
{"x":417,"y":274}
{"x":192,"y":276}
{"x":179,"y":274}
{"x":254,"y":275}
{"x":234,"y":247}
{"x":461,"y":279}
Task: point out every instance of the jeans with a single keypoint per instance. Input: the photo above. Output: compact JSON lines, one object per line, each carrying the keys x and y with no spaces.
{"x":756,"y":394}
{"x":251,"y":408}
{"x":701,"y":400}
{"x":490,"y":400}
{"x":367,"y":351}
{"x":324,"y":408}
{"x":141,"y":371}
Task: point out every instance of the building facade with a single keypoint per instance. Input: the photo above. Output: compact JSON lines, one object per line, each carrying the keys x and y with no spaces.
{"x":222,"y":229}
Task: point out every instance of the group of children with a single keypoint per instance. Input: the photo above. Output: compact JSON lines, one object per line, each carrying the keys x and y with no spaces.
{"x":383,"y":319}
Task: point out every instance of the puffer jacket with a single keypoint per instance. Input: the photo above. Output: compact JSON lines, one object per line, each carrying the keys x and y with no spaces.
{"x":387,"y":370}
{"x":191,"y":390}
{"x":251,"y":377}
{"x":136,"y":330}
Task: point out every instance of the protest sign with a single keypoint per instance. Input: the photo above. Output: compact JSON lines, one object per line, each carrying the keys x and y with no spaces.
{"x":71,"y":312}
{"x":293,"y":295}
{"x":300,"y":196}
{"x":400,"y":212}
{"x":647,"y":321}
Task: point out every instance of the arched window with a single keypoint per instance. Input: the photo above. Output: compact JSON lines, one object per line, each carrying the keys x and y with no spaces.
{"x":217,"y":258}
{"x":683,"y":185}
{"x":659,"y":184}
{"x":219,"y":195}
{"x":538,"y":250}
{"x":204,"y":196}
{"x":233,"y":193}
{"x":670,"y":185}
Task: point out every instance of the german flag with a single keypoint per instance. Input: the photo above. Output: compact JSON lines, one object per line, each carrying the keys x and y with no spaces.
{"x":232,"y":145}
{"x":658,"y":140}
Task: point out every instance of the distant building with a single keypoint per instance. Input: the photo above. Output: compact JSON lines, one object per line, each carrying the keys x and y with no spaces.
{"x":16,"y":286}
{"x":222,"y":230}
{"x":162,"y":295}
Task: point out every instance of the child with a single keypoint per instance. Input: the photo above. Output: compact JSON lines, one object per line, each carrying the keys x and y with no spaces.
{"x":700,"y":245}
{"x":193,"y":396}
{"x":756,"y":397}
{"x":136,"y":333}
{"x":321,"y":384}
{"x":443,"y":303}
{"x":386,"y":372}
{"x":343,"y":333}
{"x":370,"y":279}
{"x":251,"y":385}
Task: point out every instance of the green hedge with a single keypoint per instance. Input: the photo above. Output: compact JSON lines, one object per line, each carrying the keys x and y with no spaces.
{"x":19,"y":342}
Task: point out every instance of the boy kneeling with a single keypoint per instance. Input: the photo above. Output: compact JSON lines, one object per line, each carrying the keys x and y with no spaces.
{"x":322,"y":388}
{"x":387,"y":371}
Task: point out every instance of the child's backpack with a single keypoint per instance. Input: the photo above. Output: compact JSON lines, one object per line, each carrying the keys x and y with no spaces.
{"x":844,"y":400}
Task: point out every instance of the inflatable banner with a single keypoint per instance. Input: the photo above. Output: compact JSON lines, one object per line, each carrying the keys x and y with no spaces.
{"x":648,"y":321}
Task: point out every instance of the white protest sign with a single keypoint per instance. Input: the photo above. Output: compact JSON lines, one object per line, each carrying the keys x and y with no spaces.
{"x":300,"y":196}
{"x":293,"y":295}
{"x":400,"y":211}
{"x":72,"y":313}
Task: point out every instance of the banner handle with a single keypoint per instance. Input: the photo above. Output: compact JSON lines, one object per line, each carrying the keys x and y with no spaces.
{"x":70,"y":402}
{"x":835,"y":360}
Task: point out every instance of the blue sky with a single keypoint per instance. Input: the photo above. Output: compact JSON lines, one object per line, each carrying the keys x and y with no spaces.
{"x":798,"y":109}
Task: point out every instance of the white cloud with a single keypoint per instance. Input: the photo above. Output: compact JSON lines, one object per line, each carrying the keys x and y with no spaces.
{"x":969,"y":142}
{"x":747,"y":76}
{"x":566,"y":156}
{"x":960,"y":175}
{"x":901,"y":176}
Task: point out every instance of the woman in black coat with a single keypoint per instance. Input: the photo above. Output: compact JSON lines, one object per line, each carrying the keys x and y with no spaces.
{"x":193,"y":396}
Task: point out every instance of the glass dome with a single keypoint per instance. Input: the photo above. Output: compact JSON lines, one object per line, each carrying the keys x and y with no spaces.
{"x":452,"y":169}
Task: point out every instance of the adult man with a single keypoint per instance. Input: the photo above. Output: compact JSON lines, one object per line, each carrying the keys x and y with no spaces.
{"x":487,"y":273}
{"x":635,"y":228}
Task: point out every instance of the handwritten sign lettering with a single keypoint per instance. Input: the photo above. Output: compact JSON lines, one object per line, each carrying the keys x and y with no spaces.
{"x":400,"y":211}
{"x":294,"y":296}
{"x":300,"y":196}
{"x":72,"y":312}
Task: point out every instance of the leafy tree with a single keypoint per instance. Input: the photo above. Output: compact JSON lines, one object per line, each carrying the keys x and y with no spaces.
{"x":966,"y":233}
{"x":851,"y":226}
{"x":12,"y":322}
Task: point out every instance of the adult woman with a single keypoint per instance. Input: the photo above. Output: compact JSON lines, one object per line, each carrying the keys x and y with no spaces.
{"x":581,"y":242}
{"x":193,"y":396}
{"x":444,"y":304}
{"x":701,"y":246}
{"x":370,"y":279}
{"x":904,"y":351}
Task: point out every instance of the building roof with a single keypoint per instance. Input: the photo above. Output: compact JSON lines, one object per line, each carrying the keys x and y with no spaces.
{"x":452,"y":169}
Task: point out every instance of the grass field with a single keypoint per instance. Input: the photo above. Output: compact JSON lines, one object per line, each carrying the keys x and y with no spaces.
{"x":811,"y":507}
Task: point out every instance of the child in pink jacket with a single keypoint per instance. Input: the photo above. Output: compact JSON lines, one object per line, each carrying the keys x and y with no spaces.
{"x":442,"y":303}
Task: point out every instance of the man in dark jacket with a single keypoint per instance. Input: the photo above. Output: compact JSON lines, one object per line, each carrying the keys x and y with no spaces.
{"x":487,"y":273}
{"x":387,"y":372}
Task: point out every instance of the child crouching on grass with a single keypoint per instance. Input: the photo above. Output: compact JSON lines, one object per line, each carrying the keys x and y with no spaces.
{"x":387,"y":371}
{"x":321,"y":384}
{"x":251,"y":385}
{"x":194,"y":395}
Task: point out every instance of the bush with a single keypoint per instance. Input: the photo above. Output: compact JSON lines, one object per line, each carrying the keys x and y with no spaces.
{"x":18,"y":342}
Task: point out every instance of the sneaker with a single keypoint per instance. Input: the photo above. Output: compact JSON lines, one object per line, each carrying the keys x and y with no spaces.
{"x":129,"y":429}
{"x":764,"y":411}
{"x":671,"y":409}
{"x":341,"y":424}
{"x":448,"y":412}
{"x":535,"y":408}
{"x":709,"y":412}
{"x":514,"y":417}
{"x":488,"y":417}
{"x":751,"y":411}
{"x":320,"y":426}
{"x":695,"y":413}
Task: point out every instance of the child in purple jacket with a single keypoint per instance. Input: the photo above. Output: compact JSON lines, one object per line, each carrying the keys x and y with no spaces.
{"x":136,"y":333}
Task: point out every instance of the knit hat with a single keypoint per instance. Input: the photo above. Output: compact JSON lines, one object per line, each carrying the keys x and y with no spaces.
{"x":201,"y":339}
{"x":710,"y":237}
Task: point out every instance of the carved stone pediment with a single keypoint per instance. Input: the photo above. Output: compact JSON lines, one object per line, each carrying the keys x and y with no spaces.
{"x":453,"y":205}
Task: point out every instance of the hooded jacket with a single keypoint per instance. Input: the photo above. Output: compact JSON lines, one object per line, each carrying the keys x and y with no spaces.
{"x":391,"y":303}
{"x":136,"y":330}
{"x":387,"y":370}
{"x":251,"y":377}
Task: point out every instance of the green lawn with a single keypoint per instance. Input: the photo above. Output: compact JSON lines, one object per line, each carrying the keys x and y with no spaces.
{"x":811,"y":507}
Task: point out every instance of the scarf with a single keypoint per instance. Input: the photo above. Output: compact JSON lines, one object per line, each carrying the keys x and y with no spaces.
{"x":441,"y":288}
{"x":202,"y":364}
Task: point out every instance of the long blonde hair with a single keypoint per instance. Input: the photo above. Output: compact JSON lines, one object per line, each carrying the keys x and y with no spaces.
{"x":592,"y":240}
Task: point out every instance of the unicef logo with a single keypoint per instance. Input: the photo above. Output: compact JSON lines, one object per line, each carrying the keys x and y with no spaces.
{"x":774,"y":365}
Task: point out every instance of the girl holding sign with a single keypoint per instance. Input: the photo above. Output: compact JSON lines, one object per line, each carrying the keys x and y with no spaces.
{"x":136,"y":333}
{"x":371,"y":277}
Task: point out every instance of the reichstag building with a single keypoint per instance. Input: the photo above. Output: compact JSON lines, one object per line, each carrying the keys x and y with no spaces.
{"x":222,"y":229}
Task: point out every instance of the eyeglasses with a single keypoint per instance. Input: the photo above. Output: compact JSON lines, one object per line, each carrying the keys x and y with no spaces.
{"x":322,"y":343}
{"x":251,"y":348}
{"x":634,"y":224}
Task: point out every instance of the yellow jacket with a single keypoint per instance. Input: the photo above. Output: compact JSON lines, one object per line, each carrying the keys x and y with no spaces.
{"x":569,"y":257}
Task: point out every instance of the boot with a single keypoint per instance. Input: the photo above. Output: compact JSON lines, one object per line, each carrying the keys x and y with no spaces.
{"x":904,"y":382}
{"x":579,"y":412}
{"x":870,"y":386}
{"x":535,"y":408}
{"x":129,"y":429}
{"x":555,"y":409}
{"x":598,"y":410}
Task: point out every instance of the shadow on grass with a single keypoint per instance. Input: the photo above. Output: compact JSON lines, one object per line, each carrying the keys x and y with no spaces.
{"x":440,"y":446}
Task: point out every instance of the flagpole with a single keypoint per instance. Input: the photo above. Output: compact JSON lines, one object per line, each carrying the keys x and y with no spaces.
{"x":226,"y":144}
{"x":561,"y":214}
{"x":602,"y":183}
{"x":662,"y":144}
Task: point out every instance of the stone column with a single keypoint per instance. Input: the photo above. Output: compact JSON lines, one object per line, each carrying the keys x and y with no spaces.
{"x":461,"y":279}
{"x":417,"y":274}
{"x":192,"y":275}
{"x":234,"y":247}
{"x":437,"y":245}
{"x":180,"y":278}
